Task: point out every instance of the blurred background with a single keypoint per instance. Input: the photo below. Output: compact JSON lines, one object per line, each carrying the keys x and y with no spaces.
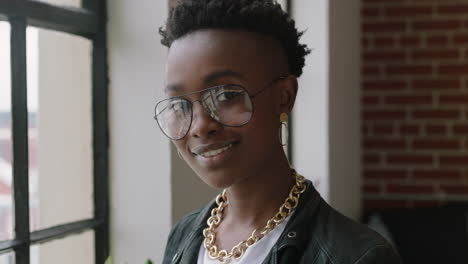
{"x":380,"y":126}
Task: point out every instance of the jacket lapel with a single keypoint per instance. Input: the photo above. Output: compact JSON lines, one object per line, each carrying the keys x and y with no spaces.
{"x":298,"y":229}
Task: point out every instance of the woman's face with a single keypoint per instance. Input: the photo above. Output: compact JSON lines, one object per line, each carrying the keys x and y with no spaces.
{"x":209,"y":58}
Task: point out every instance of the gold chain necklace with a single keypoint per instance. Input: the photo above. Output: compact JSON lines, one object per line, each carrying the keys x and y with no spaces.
{"x":238,"y":251}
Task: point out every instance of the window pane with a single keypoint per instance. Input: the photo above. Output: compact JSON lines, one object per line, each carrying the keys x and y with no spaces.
{"x":76,"y":249}
{"x":59,"y":101}
{"x":6,"y":210}
{"x":72,"y":3}
{"x":7,"y":258}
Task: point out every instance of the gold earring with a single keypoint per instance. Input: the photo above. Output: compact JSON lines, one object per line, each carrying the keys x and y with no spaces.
{"x":283,"y":135}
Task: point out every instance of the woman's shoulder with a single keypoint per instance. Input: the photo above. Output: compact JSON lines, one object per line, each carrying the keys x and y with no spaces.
{"x":344,"y":240}
{"x":184,"y":230}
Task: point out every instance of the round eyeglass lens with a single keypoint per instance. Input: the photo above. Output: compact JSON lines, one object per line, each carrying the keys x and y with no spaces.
{"x":174,"y":117}
{"x":230,"y":105}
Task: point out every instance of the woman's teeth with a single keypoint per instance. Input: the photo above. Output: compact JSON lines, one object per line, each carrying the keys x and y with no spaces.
{"x":215,"y":152}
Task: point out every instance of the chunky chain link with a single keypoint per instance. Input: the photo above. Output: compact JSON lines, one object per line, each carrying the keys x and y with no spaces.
{"x":223,"y":256}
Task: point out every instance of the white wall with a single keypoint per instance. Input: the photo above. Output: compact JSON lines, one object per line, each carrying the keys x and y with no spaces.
{"x":310,"y":116}
{"x":344,"y":106}
{"x":327,"y":112}
{"x":140,"y":156}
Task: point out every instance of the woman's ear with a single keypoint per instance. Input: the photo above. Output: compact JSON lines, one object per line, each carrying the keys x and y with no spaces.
{"x":287,"y":94}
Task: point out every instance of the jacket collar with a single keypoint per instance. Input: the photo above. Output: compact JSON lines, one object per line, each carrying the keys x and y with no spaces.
{"x":295,"y":234}
{"x":298,"y":229}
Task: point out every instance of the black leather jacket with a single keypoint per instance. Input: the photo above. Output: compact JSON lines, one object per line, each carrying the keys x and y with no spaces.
{"x":315,"y":234}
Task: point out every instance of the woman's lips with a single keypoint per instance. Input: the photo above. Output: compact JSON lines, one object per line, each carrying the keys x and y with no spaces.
{"x":215,"y":154}
{"x":206,"y":148}
{"x":212,"y":153}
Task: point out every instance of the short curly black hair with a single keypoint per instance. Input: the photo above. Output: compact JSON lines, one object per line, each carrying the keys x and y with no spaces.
{"x":260,"y":16}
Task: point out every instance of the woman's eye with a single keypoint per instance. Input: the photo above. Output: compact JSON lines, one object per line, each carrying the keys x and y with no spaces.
{"x":228,"y":95}
{"x":176,"y":105}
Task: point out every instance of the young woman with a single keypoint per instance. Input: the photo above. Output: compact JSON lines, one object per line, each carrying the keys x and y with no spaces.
{"x":231,"y":81}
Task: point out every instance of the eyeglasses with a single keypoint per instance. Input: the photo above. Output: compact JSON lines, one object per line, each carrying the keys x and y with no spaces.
{"x":229,"y":104}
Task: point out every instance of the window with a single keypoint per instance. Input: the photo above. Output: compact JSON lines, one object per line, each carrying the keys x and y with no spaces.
{"x":53,"y":132}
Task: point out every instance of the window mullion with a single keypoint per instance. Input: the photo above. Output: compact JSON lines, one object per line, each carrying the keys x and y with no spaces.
{"x":20,"y":137}
{"x":100,"y":130}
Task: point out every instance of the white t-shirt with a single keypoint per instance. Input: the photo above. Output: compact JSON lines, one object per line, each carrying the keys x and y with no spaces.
{"x":255,"y":254}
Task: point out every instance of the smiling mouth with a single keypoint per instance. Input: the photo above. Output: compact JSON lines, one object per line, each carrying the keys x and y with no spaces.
{"x":213,"y":150}
{"x":211,"y":153}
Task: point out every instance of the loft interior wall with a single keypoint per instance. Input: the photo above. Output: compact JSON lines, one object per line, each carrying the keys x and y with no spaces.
{"x":327,"y":113}
{"x":139,"y":154}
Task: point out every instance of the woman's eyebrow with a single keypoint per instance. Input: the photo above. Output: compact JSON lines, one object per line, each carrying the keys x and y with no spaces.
{"x":214,"y":76}
{"x":173,"y":88}
{"x":210,"y":78}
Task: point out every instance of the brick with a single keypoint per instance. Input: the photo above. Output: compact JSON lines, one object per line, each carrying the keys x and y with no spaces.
{"x":400,"y":188}
{"x":453,"y":69}
{"x":383,"y":129}
{"x":409,"y":69}
{"x":409,"y":159}
{"x":436,"y":129}
{"x":435,"y":54}
{"x":383,"y":1}
{"x":384,"y":42}
{"x":370,"y":100}
{"x":454,"y":160}
{"x":408,"y":99}
{"x":409,"y":41}
{"x":453,"y":99}
{"x":383,"y":115}
{"x":435,"y":114}
{"x":384,"y":85}
{"x":370,"y":70}
{"x":365,"y":129}
{"x":384,"y":144}
{"x":372,"y":188}
{"x":453,"y":9}
{"x":408,"y":11}
{"x":383,"y":27}
{"x":460,"y":39}
{"x":385,"y":174}
{"x":409,"y":129}
{"x":437,"y":40}
{"x":371,"y":159}
{"x":370,"y":12}
{"x":384,"y":55}
{"x":435,"y":84}
{"x":460,"y":129}
{"x":436,"y":174}
{"x":382,"y":204}
{"x":365,"y":42}
{"x":454,"y":189}
{"x":430,"y":25}
{"x":436,"y":144}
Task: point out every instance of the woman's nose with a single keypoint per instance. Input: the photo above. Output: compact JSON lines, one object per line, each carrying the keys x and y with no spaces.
{"x":203,"y":125}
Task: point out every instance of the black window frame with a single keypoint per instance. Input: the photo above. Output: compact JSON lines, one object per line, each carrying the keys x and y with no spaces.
{"x":89,"y":22}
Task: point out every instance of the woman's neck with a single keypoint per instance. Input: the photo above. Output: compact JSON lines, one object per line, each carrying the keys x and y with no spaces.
{"x":253,"y":201}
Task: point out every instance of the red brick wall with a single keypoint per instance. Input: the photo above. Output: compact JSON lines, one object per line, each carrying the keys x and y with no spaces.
{"x":415,"y":101}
